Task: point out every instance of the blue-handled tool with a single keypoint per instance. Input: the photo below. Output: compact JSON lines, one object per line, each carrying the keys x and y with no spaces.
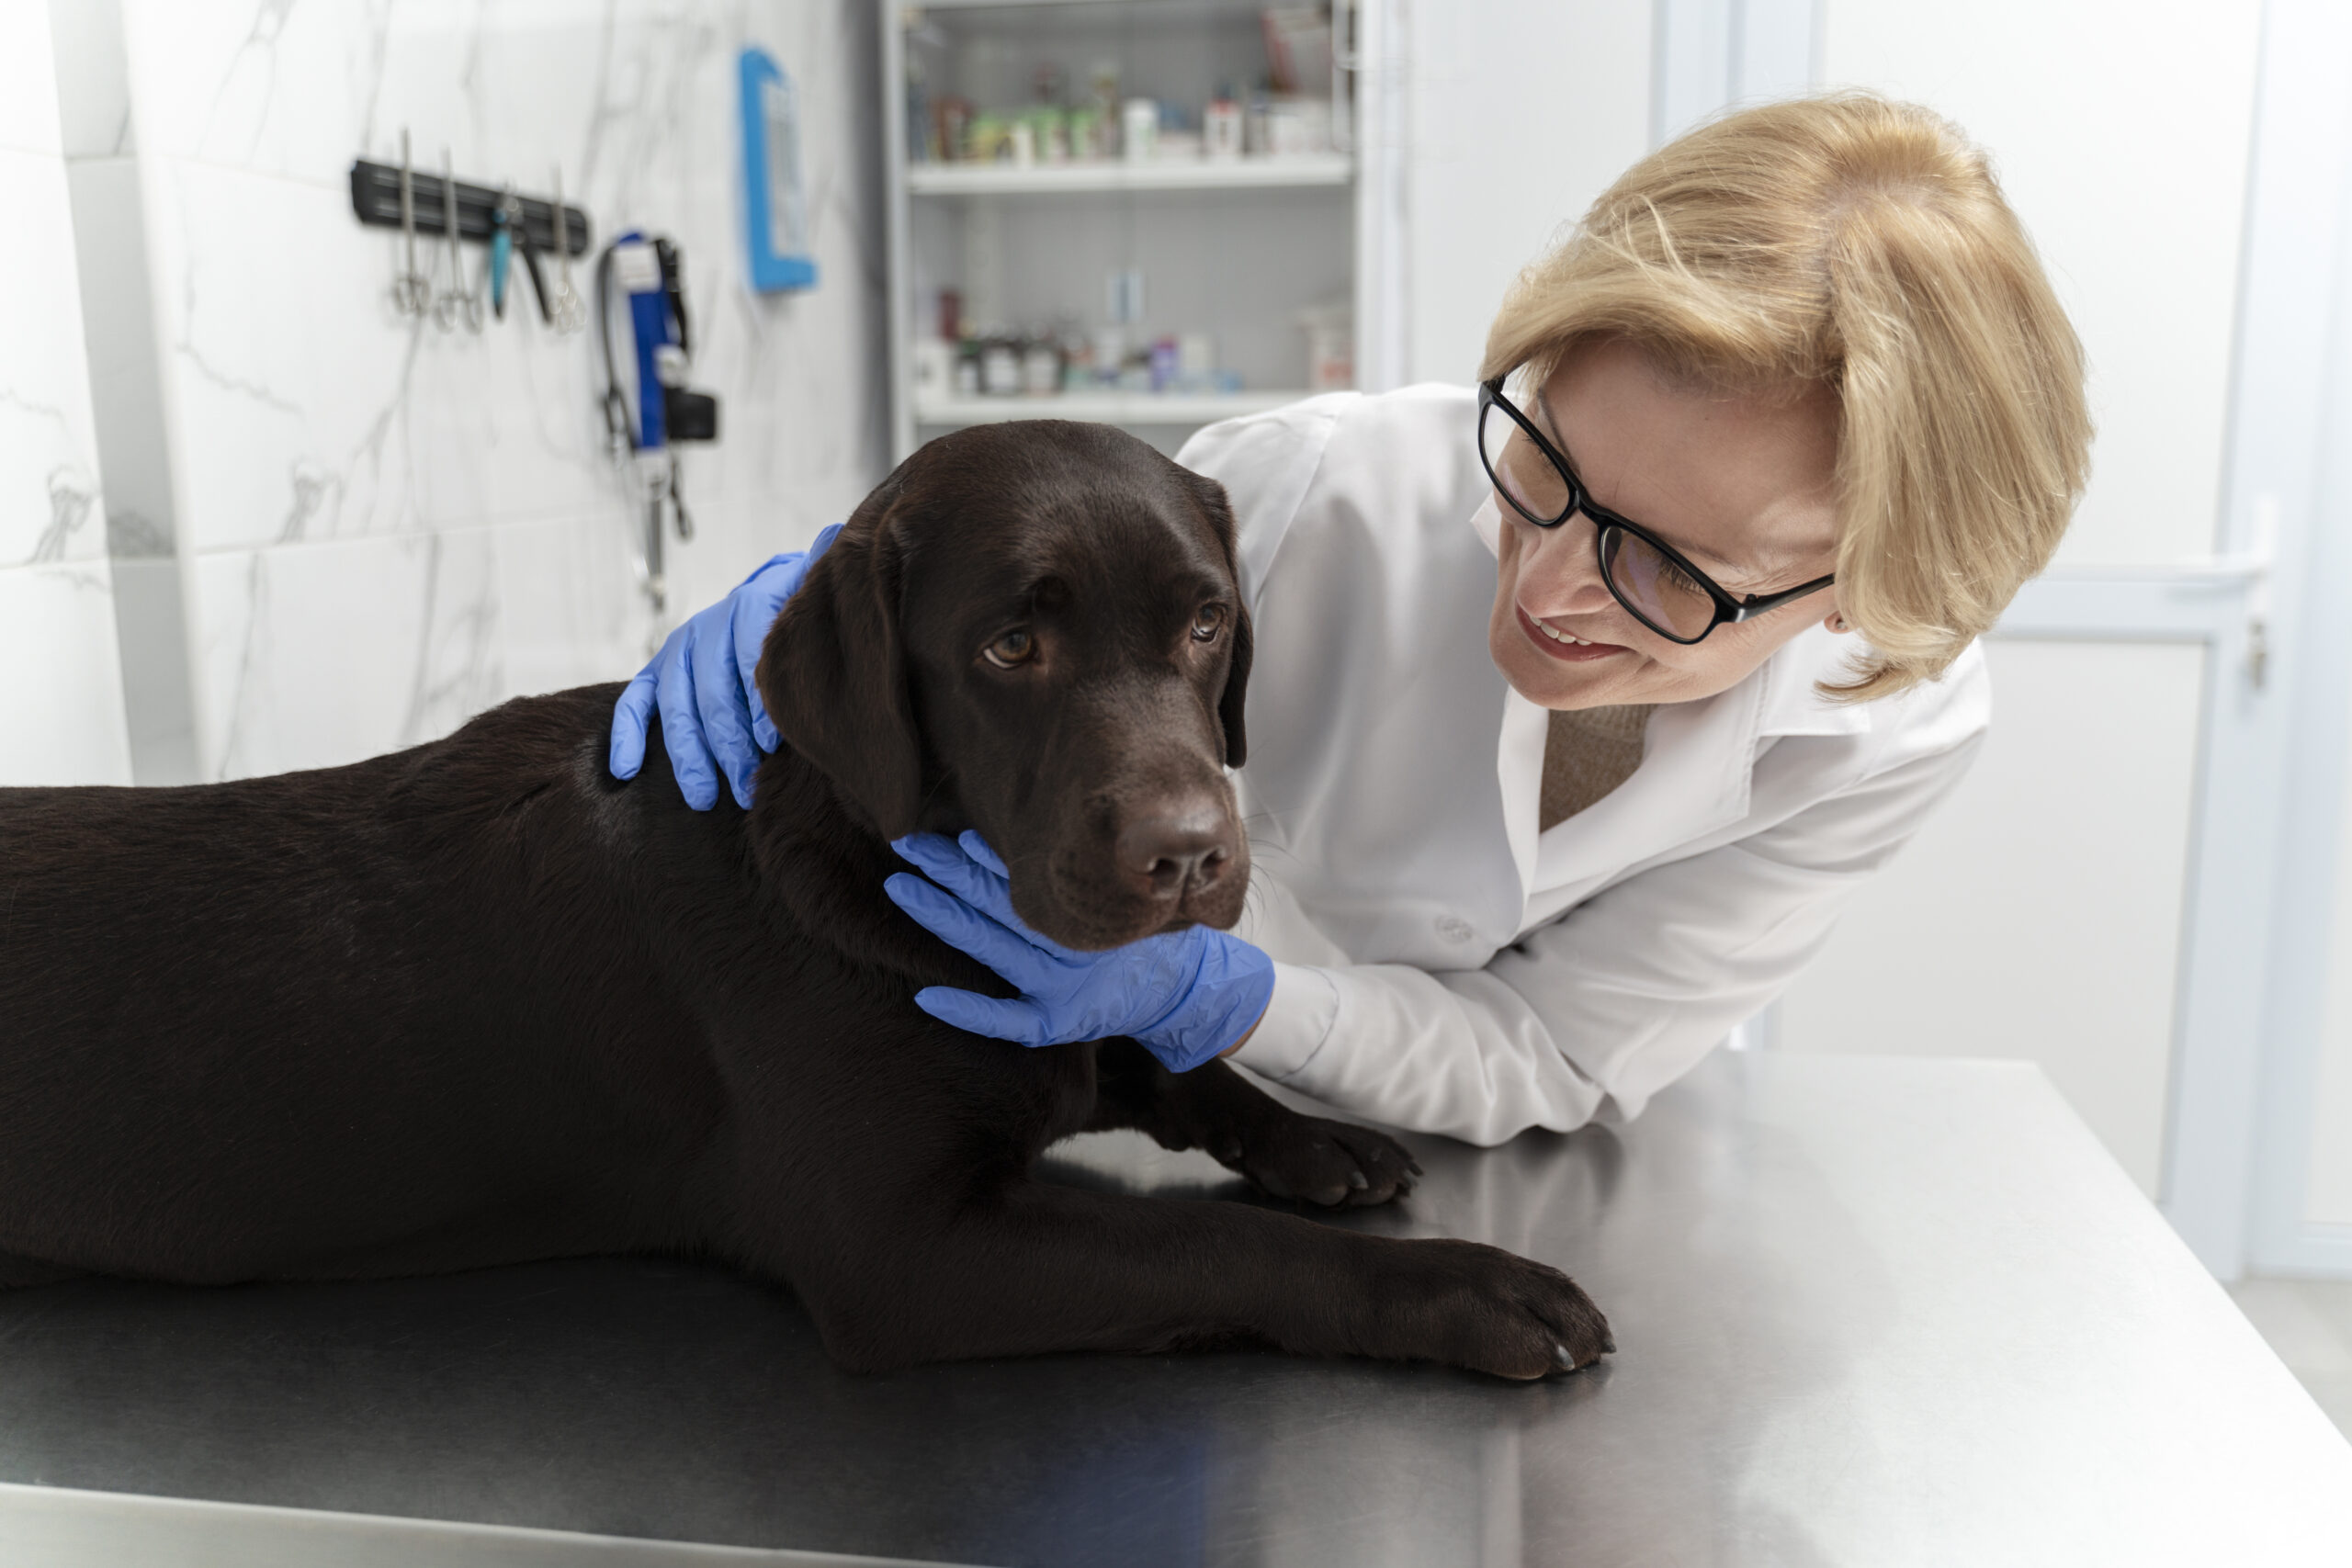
{"x":502,"y":255}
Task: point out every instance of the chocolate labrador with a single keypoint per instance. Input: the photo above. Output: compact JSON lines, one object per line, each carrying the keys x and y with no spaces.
{"x":479,"y":1001}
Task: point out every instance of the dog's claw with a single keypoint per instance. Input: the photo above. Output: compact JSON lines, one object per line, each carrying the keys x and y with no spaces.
{"x":1563,"y":1359}
{"x":1609,"y":1346}
{"x":1356,"y":1180}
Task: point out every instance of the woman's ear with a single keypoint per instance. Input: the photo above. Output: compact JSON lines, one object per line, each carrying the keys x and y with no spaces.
{"x":833,"y":675}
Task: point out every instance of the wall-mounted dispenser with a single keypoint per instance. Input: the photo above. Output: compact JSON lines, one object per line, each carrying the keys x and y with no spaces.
{"x":775,"y":212}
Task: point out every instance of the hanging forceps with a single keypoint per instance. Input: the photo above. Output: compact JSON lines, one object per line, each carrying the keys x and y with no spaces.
{"x":570,"y":314}
{"x":412,"y":290}
{"x":521,"y":224}
{"x":457,"y":302}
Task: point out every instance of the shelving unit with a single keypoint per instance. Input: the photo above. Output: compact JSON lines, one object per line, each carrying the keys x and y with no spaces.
{"x":1200,"y":174}
{"x":1235,"y":250}
{"x":1188,"y":409}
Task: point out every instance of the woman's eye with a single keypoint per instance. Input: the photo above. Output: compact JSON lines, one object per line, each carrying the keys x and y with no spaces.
{"x":1011,"y":650}
{"x":1207,"y":621}
{"x":1680,"y":580}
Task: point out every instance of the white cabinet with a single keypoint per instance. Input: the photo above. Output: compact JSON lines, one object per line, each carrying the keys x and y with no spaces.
{"x":1151,"y":213}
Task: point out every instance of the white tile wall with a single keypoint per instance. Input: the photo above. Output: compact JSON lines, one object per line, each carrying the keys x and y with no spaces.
{"x":60,"y":706}
{"x":48,"y":467}
{"x":27,"y":83}
{"x":385,"y":527}
{"x":92,"y":92}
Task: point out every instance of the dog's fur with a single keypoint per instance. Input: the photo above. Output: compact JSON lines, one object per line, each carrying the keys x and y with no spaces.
{"x":481,"y":1002}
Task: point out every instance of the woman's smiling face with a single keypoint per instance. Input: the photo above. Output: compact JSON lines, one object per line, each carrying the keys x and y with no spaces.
{"x":1742,"y":484}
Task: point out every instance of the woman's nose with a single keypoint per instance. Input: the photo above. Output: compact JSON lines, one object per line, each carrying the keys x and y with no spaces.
{"x":1558,"y":571}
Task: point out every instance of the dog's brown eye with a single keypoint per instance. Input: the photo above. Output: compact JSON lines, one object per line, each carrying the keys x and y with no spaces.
{"x":1207,"y":621}
{"x":1012,"y":651}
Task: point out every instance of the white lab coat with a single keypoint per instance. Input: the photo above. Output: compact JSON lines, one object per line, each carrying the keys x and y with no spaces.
{"x":1441,"y":964}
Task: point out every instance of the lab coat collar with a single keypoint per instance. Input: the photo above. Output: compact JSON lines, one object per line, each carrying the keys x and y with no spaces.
{"x":1698,"y":761}
{"x":1792,"y":703}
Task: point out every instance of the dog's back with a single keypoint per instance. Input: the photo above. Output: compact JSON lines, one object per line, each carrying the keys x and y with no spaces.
{"x":332,"y":1021}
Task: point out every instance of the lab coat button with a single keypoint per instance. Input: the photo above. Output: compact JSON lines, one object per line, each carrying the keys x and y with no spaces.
{"x":1454,"y":928}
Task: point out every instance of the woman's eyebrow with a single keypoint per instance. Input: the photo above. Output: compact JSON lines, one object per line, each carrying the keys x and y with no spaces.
{"x":1773,"y":565}
{"x":1729,"y":568}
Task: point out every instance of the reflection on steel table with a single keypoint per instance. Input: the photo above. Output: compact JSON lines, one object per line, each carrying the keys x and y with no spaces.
{"x":1870,"y":1312}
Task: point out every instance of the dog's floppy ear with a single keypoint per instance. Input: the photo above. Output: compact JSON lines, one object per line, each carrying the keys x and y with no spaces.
{"x":1212,"y":497}
{"x":834,"y":675}
{"x":1237,"y":689}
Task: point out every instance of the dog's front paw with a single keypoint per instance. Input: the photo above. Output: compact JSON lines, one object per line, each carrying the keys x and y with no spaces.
{"x":1315,"y":1161}
{"x":1472,"y":1306}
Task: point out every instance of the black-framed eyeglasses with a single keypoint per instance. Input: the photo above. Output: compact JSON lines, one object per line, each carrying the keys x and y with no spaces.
{"x":1657,"y":585}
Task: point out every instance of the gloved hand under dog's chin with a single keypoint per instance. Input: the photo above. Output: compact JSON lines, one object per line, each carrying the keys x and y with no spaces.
{"x":1186,"y":997}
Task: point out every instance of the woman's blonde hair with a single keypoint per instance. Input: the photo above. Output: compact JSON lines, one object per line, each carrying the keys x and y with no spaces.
{"x":1864,"y":244}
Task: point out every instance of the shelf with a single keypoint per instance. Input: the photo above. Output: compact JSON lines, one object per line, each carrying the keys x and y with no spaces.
{"x":1190,"y":174}
{"x":1121,"y":11}
{"x":1105,"y":408}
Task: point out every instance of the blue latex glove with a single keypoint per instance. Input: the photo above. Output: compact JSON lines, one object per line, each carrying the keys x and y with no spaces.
{"x":1186,"y":995}
{"x":702,"y":679}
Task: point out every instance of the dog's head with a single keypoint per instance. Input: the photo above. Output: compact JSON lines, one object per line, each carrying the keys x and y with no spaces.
{"x":1034,"y":629}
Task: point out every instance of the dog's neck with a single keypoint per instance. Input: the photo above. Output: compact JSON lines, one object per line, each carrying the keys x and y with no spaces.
{"x":822,"y":857}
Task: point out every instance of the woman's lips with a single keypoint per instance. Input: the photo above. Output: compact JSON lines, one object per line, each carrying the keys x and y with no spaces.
{"x":1572,"y":653}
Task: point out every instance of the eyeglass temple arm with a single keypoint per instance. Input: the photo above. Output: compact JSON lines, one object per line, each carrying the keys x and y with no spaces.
{"x":1757,"y":604}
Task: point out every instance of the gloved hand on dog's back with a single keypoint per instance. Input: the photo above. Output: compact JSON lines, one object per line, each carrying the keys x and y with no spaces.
{"x":1187,"y":996}
{"x":712,"y":722}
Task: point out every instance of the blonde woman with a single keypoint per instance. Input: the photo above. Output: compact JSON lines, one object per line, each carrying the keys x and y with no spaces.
{"x":1583,"y":699}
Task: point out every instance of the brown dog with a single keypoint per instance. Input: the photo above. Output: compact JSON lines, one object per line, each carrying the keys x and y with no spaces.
{"x":479,"y":1001}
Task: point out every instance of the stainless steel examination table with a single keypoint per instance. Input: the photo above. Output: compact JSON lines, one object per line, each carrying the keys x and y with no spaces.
{"x":1870,"y":1312}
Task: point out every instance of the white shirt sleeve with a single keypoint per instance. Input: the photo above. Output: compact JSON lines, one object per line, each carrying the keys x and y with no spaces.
{"x":1591,"y":1015}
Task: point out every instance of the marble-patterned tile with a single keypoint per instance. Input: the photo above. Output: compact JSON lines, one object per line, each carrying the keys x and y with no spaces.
{"x":266,"y":85}
{"x":151,"y":628}
{"x":569,"y":611}
{"x":93,"y":77}
{"x":299,"y":90}
{"x":307,"y":408}
{"x":61,"y":710}
{"x":283,"y":363}
{"x":50,"y":506}
{"x":313,"y":655}
{"x":119,"y":334}
{"x":27,"y":81}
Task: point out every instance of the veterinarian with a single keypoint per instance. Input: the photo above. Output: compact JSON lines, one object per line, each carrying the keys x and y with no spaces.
{"x":1583,"y":702}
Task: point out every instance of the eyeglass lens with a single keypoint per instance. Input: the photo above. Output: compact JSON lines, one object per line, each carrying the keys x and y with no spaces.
{"x":1645,"y":580}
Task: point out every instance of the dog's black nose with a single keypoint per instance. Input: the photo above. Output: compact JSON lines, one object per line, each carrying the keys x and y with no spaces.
{"x":1180,"y":851}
